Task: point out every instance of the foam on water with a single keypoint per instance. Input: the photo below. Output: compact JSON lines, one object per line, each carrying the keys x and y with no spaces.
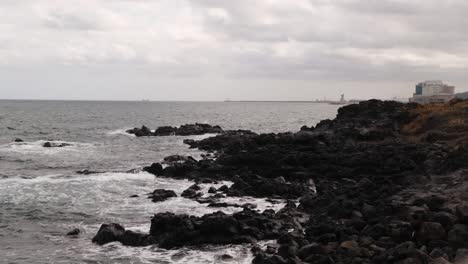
{"x":120,"y":132}
{"x":87,"y":201}
{"x":37,"y":147}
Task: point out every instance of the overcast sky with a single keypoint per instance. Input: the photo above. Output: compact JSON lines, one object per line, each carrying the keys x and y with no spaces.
{"x":237,"y":49}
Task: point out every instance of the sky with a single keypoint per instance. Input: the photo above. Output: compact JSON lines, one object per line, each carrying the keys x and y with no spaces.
{"x":204,"y":50}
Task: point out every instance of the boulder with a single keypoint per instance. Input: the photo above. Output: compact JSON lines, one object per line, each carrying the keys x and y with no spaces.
{"x":174,"y":159}
{"x":171,"y":230}
{"x":165,"y":131}
{"x":74,"y":232}
{"x":160,"y":195}
{"x":18,"y":140}
{"x":155,"y":168}
{"x":108,"y":233}
{"x":140,"y":132}
{"x":55,"y":145}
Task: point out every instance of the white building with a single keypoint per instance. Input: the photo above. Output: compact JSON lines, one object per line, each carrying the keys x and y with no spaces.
{"x":433,"y":92}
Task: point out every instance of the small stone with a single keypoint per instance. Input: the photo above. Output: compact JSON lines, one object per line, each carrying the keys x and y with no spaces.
{"x":74,"y":232}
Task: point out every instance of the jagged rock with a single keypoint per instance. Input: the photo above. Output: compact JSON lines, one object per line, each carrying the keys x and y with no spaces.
{"x":160,"y":195}
{"x":172,"y":230}
{"x":109,"y":233}
{"x":174,"y":159}
{"x":155,"y":168}
{"x":140,"y":132}
{"x":165,"y":131}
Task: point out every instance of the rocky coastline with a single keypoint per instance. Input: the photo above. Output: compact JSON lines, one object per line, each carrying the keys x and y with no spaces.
{"x":384,"y":182}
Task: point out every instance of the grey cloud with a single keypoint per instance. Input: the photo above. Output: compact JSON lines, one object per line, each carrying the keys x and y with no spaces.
{"x":314,"y":40}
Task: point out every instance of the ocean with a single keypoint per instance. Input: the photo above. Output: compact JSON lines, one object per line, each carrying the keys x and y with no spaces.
{"x":42,"y":196}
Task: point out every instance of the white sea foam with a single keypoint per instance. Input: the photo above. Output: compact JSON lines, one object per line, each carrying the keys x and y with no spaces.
{"x":120,"y":132}
{"x":37,"y":147}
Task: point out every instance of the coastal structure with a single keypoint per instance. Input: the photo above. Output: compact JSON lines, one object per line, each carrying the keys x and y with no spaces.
{"x":433,"y":92}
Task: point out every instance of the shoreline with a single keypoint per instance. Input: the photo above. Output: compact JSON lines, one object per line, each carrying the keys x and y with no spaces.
{"x":384,"y":182}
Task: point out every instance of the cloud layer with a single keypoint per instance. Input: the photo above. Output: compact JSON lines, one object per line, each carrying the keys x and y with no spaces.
{"x":358,"y":44}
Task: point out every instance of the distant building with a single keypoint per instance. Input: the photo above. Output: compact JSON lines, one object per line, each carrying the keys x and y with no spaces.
{"x":433,"y":92}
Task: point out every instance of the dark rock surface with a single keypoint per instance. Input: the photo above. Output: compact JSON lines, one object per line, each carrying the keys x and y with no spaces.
{"x":183,"y":130}
{"x":374,"y":185}
{"x":55,"y":145}
{"x":160,"y":195}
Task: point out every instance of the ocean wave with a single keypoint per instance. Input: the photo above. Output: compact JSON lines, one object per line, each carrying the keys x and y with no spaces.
{"x":120,"y":132}
{"x":37,"y":147}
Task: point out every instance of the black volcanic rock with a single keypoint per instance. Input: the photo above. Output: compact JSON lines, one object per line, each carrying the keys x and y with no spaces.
{"x":197,"y":129}
{"x":108,"y":233}
{"x":18,"y":140}
{"x":140,"y":132}
{"x":160,"y":195}
{"x":165,"y":131}
{"x":370,"y":188}
{"x":183,"y":130}
{"x":218,"y":228}
{"x":55,"y":145}
{"x":155,"y":168}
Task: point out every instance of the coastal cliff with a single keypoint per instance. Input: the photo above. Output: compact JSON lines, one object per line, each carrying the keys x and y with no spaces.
{"x":383,"y":182}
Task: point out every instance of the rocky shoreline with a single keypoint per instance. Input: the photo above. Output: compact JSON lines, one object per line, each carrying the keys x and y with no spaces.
{"x":384,"y":182}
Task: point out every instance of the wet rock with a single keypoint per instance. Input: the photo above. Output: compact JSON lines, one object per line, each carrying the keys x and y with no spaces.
{"x":108,"y":233}
{"x":165,"y":131}
{"x":172,"y":230}
{"x":134,"y":239}
{"x":191,"y":194}
{"x":197,"y":129}
{"x":87,"y":172}
{"x":155,"y":168}
{"x":134,"y":196}
{"x":74,"y":232}
{"x":160,"y":195}
{"x":18,"y":140}
{"x":55,"y":145}
{"x":212,"y":190}
{"x":223,"y":188}
{"x":140,"y":132}
{"x":174,"y":159}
